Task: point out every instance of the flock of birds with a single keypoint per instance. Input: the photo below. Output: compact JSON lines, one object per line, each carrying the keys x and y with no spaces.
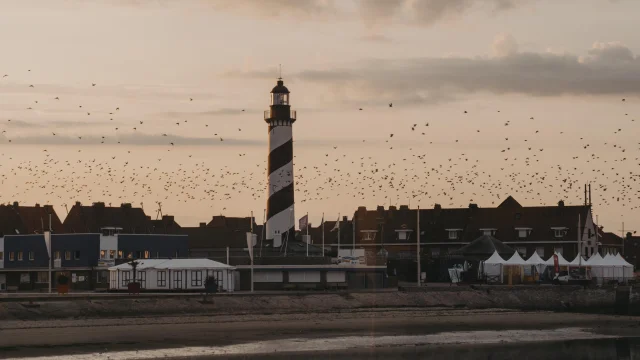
{"x":414,"y":173}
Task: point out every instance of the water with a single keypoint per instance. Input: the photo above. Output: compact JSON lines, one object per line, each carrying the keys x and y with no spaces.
{"x":567,"y":343}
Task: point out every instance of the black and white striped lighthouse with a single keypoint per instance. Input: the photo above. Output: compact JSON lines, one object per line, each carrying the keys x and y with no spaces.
{"x":280,"y":213}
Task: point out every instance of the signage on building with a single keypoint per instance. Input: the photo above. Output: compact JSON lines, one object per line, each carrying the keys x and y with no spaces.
{"x":106,"y":263}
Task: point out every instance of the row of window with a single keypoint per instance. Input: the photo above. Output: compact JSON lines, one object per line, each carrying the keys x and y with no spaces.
{"x":143,"y":254}
{"x":32,"y":256}
{"x":161,"y":277}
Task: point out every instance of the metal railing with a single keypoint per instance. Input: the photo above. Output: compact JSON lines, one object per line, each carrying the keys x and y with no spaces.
{"x":292,"y":114}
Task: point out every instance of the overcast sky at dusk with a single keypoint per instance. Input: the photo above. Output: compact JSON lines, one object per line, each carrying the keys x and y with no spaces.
{"x":541,"y":81}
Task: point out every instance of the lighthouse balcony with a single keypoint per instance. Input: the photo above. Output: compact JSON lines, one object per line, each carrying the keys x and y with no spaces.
{"x":280,"y":114}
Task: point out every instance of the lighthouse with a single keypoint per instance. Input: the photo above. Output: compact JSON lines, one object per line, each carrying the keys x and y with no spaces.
{"x":280,"y":202}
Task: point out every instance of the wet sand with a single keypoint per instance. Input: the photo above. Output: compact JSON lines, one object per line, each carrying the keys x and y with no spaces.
{"x":67,"y":337}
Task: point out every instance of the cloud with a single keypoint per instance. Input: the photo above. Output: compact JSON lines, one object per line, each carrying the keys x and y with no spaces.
{"x":372,"y":12}
{"x":608,"y":69}
{"x":215,"y":112}
{"x":20,"y":124}
{"x":504,"y":45}
{"x":128,"y":139}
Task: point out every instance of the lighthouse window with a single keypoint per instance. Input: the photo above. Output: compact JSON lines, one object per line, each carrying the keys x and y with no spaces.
{"x":279,"y":99}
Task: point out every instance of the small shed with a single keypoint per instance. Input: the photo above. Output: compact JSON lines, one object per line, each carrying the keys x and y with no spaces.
{"x":172,"y":275}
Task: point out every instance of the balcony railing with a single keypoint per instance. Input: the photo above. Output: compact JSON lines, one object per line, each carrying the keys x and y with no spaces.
{"x":292,"y":114}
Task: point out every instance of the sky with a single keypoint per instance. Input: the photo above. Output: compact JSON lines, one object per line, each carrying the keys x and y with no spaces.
{"x":148,"y":101}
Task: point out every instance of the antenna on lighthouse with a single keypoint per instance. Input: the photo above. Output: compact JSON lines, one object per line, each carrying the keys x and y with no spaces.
{"x":280,"y":77}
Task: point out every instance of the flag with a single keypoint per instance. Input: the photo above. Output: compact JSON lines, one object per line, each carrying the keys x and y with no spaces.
{"x":303,"y":222}
{"x":337,"y":225}
{"x":250,"y":244}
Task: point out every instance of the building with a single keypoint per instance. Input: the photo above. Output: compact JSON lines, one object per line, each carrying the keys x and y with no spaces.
{"x":393,"y":232}
{"x":632,"y":250}
{"x":280,"y":193}
{"x":26,"y":261}
{"x":16,"y":219}
{"x":175,"y":274}
{"x":97,"y":217}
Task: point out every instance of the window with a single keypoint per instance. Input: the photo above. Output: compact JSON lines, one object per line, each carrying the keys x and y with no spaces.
{"x":20,"y":258}
{"x":162,"y":278}
{"x":196,"y":278}
{"x":453,"y":234}
{"x":112,"y":254}
{"x":12,"y":256}
{"x":146,"y":254}
{"x":1,"y":255}
{"x":102,"y":254}
{"x":67,"y":255}
{"x":558,"y":233}
{"x":157,"y":254}
{"x":559,"y":250}
{"x":25,"y":278}
{"x":142,"y":279}
{"x":177,"y":254}
{"x":521,"y":250}
{"x":101,"y":277}
{"x":126,"y":277}
{"x":177,"y":279}
{"x":138,"y":254}
{"x":540,"y":251}
{"x":119,"y":254}
{"x":56,"y":255}
{"x":488,"y":232}
{"x":435,"y":252}
{"x":32,"y":256}
{"x":522,"y":234}
{"x":76,"y":255}
{"x":43,"y":277}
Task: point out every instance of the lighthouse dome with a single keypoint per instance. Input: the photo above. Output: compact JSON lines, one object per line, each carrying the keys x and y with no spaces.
{"x":280,"y":88}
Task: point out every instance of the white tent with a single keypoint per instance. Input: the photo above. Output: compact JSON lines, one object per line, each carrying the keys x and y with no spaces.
{"x":172,"y":274}
{"x":561,"y":261}
{"x":628,"y":268}
{"x":594,"y":260}
{"x":493,"y":266}
{"x":578,"y":261}
{"x":536,"y":261}
{"x":515,"y":259}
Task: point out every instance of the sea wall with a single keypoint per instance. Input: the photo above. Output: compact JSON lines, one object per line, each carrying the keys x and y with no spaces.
{"x":554,"y":298}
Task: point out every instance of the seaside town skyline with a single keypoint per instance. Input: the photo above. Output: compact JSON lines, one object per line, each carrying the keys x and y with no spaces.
{"x":388,"y":115}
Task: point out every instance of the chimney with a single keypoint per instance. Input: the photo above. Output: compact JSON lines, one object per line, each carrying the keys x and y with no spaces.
{"x":16,"y":204}
{"x":437,"y":207}
{"x":78,"y":203}
{"x":404,"y":207}
{"x":589,"y":194}
{"x":125,"y":205}
{"x":473,"y":206}
{"x":98,"y":204}
{"x":37,"y":205}
{"x":392,"y":208}
{"x":380,"y":209}
{"x":345,"y":219}
{"x":203,"y":224}
{"x":561,"y":203}
{"x":168,"y":218}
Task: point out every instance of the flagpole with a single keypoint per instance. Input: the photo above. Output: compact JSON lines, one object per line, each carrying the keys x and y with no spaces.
{"x":418,"y":249}
{"x":353,"y":224}
{"x":307,"y":226}
{"x":338,"y":235}
{"x":322,"y":234}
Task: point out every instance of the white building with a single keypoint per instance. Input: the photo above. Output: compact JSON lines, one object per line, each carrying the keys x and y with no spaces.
{"x":172,"y":274}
